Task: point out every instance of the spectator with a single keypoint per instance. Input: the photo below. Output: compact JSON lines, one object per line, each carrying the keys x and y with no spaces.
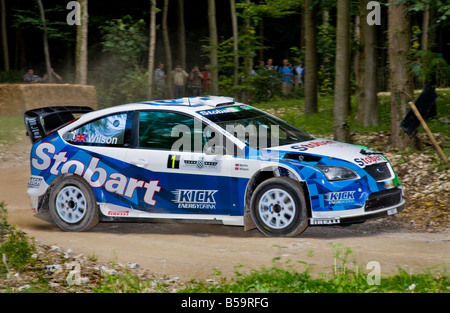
{"x":270,"y":65}
{"x":54,"y":74}
{"x":416,"y":67}
{"x":299,"y":70}
{"x":206,"y":78}
{"x":159,"y":77}
{"x":179,"y":77}
{"x":286,"y":77}
{"x":31,"y":78}
{"x":195,"y":80}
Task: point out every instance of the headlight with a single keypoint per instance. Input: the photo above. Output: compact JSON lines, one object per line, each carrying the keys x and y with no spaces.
{"x":337,"y":172}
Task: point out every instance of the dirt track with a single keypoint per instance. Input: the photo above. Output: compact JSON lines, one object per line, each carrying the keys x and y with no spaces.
{"x":195,"y":251}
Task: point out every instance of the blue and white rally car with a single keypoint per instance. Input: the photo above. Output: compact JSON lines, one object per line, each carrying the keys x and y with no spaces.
{"x":203,"y":159}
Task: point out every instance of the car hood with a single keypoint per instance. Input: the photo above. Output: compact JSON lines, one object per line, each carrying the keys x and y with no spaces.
{"x":355,"y":154}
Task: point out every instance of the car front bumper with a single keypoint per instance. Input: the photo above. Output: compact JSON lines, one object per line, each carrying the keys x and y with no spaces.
{"x":379,"y":204}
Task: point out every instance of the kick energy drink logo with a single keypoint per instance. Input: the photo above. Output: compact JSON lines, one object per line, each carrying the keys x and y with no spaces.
{"x":341,"y":197}
{"x":195,"y":199}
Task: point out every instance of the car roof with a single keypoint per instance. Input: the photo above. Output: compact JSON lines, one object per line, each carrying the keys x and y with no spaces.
{"x":190,"y":105}
{"x":187,"y":104}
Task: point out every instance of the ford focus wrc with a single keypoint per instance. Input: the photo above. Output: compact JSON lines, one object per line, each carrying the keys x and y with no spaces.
{"x":202,"y":159}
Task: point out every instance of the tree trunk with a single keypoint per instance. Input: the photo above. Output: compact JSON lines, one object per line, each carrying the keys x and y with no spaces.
{"x":169,"y":66}
{"x":181,"y":34}
{"x":234,"y":24}
{"x":360,"y":25}
{"x":151,"y":50}
{"x":45,"y":41}
{"x":425,"y":25}
{"x":310,"y":57}
{"x":4,"y":37}
{"x":213,"y":41}
{"x":248,"y":60}
{"x":342,"y":69}
{"x":82,"y":45}
{"x":370,"y":76}
{"x":400,"y":82}
{"x":325,"y":27}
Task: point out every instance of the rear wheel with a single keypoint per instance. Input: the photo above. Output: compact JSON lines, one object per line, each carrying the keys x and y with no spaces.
{"x":72,"y":205}
{"x":278,"y":207}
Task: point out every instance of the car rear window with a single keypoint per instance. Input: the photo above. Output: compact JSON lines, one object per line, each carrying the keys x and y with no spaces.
{"x":109,"y":130}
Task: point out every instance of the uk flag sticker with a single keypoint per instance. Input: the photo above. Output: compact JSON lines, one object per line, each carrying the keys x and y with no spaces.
{"x":80,"y":138}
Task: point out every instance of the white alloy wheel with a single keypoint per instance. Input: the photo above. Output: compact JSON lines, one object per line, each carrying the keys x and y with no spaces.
{"x":276,"y":208}
{"x":71,"y":204}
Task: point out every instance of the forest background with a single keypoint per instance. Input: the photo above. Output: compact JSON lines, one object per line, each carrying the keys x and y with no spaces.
{"x":347,"y":48}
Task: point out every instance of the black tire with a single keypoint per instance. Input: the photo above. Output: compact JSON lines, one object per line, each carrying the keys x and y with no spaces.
{"x":72,"y":205}
{"x":278,"y":207}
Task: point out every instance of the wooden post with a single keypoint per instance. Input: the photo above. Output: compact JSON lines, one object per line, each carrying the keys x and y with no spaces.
{"x":425,"y":126}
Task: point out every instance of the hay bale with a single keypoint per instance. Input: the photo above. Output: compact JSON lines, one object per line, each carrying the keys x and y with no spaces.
{"x":15,"y":99}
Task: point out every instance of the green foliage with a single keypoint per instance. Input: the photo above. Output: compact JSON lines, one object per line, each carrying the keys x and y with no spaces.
{"x":125,"y":40}
{"x":258,"y":86}
{"x":266,"y":8}
{"x":346,"y":277}
{"x":415,"y":40}
{"x":126,"y":283}
{"x":442,"y":8}
{"x":133,"y":86}
{"x":15,"y":249}
{"x":326,"y":48}
{"x":120,"y":77}
{"x":11,"y":76}
{"x":434,"y":69}
{"x":56,"y":25}
{"x":261,"y":85}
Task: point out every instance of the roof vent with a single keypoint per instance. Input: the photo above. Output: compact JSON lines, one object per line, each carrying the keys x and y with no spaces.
{"x":212,"y":101}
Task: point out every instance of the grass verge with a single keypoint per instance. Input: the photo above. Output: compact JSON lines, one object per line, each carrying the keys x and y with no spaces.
{"x":10,"y":126}
{"x":37,"y":274}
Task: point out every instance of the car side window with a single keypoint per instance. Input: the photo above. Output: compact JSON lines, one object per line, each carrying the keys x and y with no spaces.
{"x":110,"y":130}
{"x":170,"y":131}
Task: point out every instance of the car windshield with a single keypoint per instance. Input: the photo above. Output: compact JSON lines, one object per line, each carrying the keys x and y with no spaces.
{"x":254,"y":127}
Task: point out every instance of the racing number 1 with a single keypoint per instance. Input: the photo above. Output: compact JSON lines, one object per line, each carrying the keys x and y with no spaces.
{"x":173,"y":161}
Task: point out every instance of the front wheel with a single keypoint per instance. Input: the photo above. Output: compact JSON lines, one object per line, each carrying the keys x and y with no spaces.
{"x":278,"y":207}
{"x":72,"y":205}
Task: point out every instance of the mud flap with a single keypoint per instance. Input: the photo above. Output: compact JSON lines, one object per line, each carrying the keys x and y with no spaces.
{"x":43,"y":212}
{"x":248,"y":220}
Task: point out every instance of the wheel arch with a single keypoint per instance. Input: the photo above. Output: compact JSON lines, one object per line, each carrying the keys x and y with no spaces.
{"x":98,"y":194}
{"x":261,"y":176}
{"x":89,"y":198}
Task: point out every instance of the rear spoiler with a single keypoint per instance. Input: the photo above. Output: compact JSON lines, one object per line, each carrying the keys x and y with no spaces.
{"x":41,"y":122}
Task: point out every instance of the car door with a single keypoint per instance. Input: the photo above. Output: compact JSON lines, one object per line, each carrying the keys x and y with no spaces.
{"x":168,"y":149}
